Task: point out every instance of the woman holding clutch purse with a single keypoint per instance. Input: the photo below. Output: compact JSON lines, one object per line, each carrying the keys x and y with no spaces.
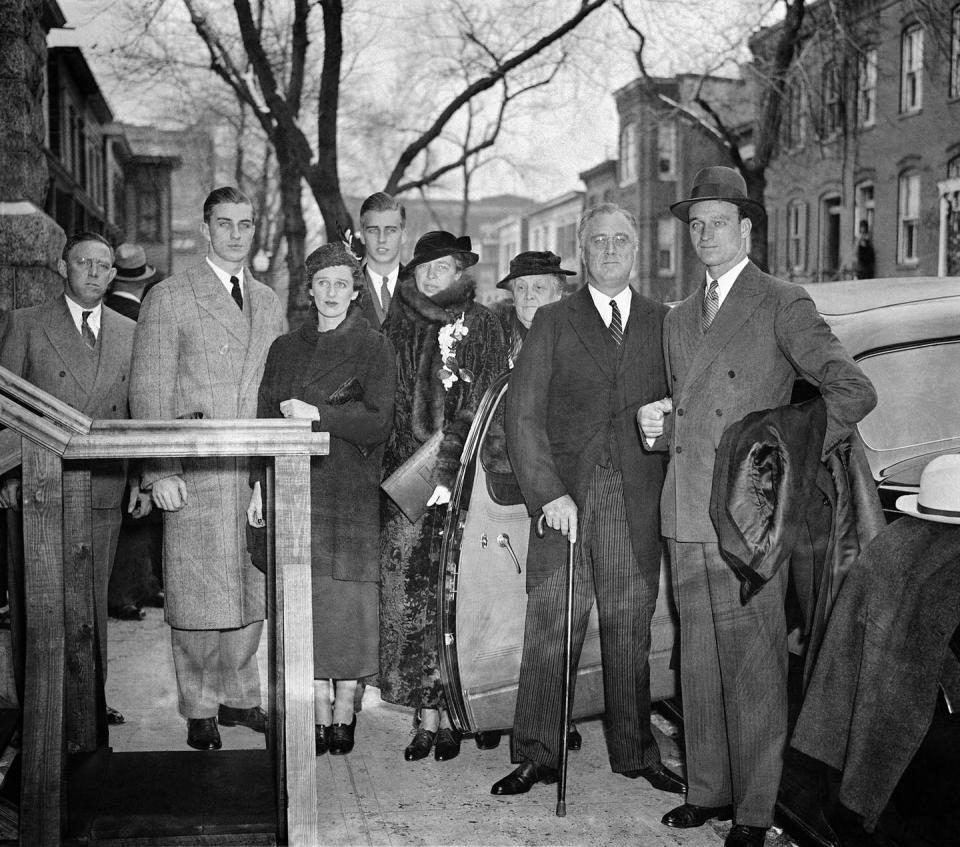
{"x":339,"y":372}
{"x":449,"y":351}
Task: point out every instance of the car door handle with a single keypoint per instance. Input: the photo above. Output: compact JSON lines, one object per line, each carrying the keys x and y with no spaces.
{"x":504,"y":541}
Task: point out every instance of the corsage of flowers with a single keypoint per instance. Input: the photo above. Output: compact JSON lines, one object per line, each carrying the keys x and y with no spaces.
{"x":449,"y":337}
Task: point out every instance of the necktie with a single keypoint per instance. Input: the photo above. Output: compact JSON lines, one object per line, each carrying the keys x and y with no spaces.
{"x":88,"y":337}
{"x":711,"y":305}
{"x":616,"y":325}
{"x":385,"y":296}
{"x":235,"y":292}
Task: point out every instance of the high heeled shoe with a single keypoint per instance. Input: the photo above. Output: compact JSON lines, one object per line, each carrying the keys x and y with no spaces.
{"x":420,"y":746}
{"x":322,"y":737}
{"x":341,"y":737}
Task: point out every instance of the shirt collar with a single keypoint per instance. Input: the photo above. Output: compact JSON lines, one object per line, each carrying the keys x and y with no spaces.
{"x":76,"y":312}
{"x":602,"y":302}
{"x":725,"y":281}
{"x":392,"y":278}
{"x":224,"y":277}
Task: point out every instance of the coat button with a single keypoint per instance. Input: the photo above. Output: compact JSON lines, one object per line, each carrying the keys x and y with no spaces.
{"x":719,"y":413}
{"x":679,"y":450}
{"x":123,"y":378}
{"x":731,"y":374}
{"x":680,"y":412}
{"x":63,"y":373}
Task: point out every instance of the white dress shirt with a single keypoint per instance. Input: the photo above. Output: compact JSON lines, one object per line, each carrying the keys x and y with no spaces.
{"x":602,"y":302}
{"x":224,"y":277}
{"x":93,"y":321}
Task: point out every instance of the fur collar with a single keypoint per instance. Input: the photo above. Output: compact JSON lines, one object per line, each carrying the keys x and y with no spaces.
{"x":442,"y":308}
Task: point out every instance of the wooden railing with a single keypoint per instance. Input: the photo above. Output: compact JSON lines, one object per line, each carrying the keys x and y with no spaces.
{"x":53,"y":443}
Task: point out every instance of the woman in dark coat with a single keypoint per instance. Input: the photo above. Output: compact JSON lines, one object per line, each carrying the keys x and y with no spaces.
{"x":449,"y":351}
{"x":339,"y":372}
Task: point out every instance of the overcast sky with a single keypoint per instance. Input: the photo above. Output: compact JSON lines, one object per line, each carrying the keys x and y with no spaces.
{"x":547,"y":150}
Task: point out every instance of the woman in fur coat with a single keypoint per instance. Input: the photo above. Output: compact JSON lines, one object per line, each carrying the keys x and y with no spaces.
{"x":339,"y":372}
{"x":449,"y":351}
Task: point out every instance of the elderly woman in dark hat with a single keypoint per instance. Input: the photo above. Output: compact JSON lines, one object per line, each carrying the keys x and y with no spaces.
{"x":339,"y":372}
{"x":449,"y":351}
{"x":535,"y":279}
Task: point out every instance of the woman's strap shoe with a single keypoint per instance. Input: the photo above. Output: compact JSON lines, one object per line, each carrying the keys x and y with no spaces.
{"x":421,"y":745}
{"x":447,"y":745}
{"x":341,"y":737}
{"x":322,"y":737}
{"x":689,"y":815}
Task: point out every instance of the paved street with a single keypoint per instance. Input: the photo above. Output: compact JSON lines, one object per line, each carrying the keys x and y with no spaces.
{"x":374,"y":797}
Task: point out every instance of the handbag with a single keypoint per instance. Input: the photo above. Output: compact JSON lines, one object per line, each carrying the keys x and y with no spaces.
{"x":411,"y":485}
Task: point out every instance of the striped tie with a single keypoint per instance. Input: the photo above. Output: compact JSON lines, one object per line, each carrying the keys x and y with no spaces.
{"x":616,"y":326}
{"x":711,"y":305}
{"x":385,"y":296}
{"x":87,"y":331}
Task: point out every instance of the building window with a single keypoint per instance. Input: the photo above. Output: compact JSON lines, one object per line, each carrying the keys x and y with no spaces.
{"x":666,"y":246}
{"x":911,"y":70}
{"x":567,"y":241}
{"x":867,"y":88}
{"x":666,"y":150}
{"x":628,"y":154}
{"x":955,"y":52}
{"x":797,"y":235}
{"x":865,"y":207}
{"x":908,"y":215}
{"x":794,"y":130}
{"x":832,"y":105}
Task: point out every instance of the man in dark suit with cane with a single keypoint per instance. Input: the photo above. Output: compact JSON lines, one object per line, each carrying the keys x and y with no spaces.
{"x":587,"y":365}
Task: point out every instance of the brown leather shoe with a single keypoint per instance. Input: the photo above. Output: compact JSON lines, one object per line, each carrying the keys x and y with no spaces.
{"x":202,"y":734}
{"x":746,"y":836}
{"x":253,"y":718}
{"x":690,"y":815}
{"x":521,"y":780}
{"x":660,"y":778}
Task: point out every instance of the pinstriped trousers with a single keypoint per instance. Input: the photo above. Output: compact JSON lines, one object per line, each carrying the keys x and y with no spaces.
{"x":607,"y":569}
{"x":733,"y":675}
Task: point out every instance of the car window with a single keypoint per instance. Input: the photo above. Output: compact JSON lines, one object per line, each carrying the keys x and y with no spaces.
{"x":502,"y":485}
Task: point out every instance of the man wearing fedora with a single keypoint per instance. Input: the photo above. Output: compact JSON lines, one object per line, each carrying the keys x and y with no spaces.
{"x":383,"y":230}
{"x":588,"y":363}
{"x":535,"y":279}
{"x":132,"y":277}
{"x":736,"y":345}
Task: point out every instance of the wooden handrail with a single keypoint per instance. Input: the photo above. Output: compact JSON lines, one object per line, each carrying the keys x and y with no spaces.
{"x":48,"y":432}
{"x":37,"y":400}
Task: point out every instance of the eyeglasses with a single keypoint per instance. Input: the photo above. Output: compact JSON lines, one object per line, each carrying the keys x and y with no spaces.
{"x":89,"y":264}
{"x":620,"y":241}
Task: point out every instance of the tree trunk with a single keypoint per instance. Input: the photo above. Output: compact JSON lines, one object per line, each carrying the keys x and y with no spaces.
{"x":295,"y":232}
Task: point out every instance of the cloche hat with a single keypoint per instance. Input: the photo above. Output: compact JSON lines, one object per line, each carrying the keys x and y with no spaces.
{"x":440,"y":243}
{"x":534,"y":263}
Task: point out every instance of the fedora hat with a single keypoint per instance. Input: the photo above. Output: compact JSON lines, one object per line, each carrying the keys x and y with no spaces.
{"x":939,"y":496}
{"x":534,"y":263}
{"x":718,"y":183}
{"x":440,"y":243}
{"x":131,"y":263}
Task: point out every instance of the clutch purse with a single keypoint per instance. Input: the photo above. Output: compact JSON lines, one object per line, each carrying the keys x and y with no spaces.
{"x":411,"y":485}
{"x":348,"y":392}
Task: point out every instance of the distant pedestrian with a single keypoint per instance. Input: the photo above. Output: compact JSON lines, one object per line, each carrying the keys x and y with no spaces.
{"x":866,"y":255}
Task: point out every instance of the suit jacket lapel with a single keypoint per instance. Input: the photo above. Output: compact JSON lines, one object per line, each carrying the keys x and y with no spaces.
{"x":213,"y":298}
{"x":373,"y":295}
{"x":741,"y":302}
{"x":62,"y":333}
{"x":639,"y":337}
{"x":593,"y":333}
{"x":113,"y":355}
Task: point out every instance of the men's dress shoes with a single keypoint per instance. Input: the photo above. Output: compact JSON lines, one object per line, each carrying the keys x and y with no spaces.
{"x":421,"y":745}
{"x":574,"y":739}
{"x":341,"y":737}
{"x":524,"y":778}
{"x":253,"y":718}
{"x":322,"y":737}
{"x":447,"y":745}
{"x":202,"y":734}
{"x":660,"y":778}
{"x":690,"y":815}
{"x":114,"y":718}
{"x":488,"y":739}
{"x":745,"y":836}
{"x":128,"y":612}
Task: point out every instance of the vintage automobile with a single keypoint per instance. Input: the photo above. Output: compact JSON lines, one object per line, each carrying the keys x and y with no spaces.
{"x":905,"y":334}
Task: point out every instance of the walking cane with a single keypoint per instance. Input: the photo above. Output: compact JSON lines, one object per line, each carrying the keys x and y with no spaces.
{"x":567,"y":662}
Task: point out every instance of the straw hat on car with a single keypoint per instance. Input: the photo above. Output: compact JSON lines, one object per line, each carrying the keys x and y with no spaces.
{"x":939,"y":496}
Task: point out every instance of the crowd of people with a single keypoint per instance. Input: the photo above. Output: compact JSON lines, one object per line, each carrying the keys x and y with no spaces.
{"x":613,"y":399}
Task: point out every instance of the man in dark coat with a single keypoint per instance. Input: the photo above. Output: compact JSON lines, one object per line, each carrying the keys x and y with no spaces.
{"x":132,"y":278}
{"x":734,"y":346}
{"x":383,"y":230}
{"x":587,"y":365}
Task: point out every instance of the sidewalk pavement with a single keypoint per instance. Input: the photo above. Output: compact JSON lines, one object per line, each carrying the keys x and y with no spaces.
{"x":373,"y":797}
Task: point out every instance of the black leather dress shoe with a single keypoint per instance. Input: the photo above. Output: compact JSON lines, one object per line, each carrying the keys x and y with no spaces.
{"x":128,"y":612}
{"x":322,"y":738}
{"x":574,"y":739}
{"x":114,"y":718}
{"x":745,"y":836}
{"x":660,"y":778}
{"x":341,"y":737}
{"x":524,"y":778}
{"x":488,"y":739}
{"x":253,"y":718}
{"x":690,"y":815}
{"x":421,"y":745}
{"x":447,"y":745}
{"x":202,"y":734}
